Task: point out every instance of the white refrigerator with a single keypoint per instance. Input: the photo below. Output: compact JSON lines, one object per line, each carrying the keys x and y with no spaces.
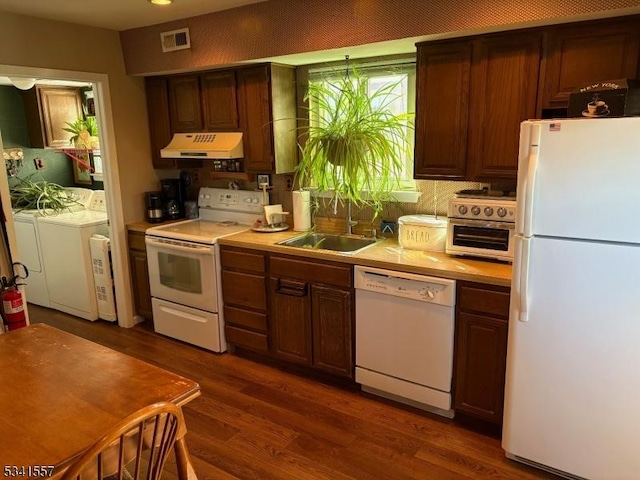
{"x":572,"y":399}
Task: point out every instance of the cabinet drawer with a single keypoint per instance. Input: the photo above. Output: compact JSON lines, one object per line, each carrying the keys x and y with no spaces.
{"x":136,"y":241}
{"x":247,"y":339}
{"x":313,"y":272}
{"x":245,"y":318}
{"x":241,"y":260}
{"x":487,"y":299}
{"x":244,"y":290}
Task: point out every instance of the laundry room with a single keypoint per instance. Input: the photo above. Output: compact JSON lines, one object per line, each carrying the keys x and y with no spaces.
{"x":54,"y":170}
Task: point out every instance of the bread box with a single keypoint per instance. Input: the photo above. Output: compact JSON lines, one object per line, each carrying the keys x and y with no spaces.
{"x":422,"y":232}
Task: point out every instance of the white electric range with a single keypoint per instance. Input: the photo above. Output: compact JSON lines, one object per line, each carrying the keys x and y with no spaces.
{"x":184,"y":266}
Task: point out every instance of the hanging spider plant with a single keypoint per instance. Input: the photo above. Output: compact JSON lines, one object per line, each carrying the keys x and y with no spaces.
{"x":355,"y":144}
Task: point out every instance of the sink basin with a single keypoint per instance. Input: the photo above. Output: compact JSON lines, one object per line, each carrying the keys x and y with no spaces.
{"x":327,"y":241}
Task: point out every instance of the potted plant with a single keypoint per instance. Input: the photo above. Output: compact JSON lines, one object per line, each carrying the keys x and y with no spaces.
{"x":85,"y":132}
{"x":354,"y":144}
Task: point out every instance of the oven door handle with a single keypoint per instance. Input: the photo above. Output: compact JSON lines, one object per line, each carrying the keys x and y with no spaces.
{"x":482,"y":223}
{"x":196,"y":249}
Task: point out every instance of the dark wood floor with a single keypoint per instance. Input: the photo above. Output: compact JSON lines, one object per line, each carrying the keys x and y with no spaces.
{"x":254,"y":421}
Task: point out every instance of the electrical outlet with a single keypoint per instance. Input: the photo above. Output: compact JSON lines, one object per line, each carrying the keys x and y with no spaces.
{"x":289,"y":182}
{"x":39,"y":163}
{"x":195,"y":176}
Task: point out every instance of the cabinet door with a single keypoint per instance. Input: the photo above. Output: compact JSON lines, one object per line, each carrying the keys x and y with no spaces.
{"x":140,"y":283}
{"x":442,"y":110}
{"x":184,"y":104}
{"x":578,"y":55}
{"x":290,"y":319}
{"x":48,"y":109}
{"x":159,"y":122}
{"x":481,"y":346}
{"x":254,"y":107}
{"x":504,"y":80}
{"x":332,"y":330}
{"x":219,"y":101}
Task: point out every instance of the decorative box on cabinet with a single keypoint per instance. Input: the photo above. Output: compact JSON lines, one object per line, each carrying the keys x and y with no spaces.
{"x":267,"y":112}
{"x":482,"y":324}
{"x":244,"y":294}
{"x":311,"y":314}
{"x":48,"y":109}
{"x":139,"y":274}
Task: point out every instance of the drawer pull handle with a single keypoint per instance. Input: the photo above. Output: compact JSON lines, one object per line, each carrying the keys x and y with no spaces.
{"x":291,"y":288}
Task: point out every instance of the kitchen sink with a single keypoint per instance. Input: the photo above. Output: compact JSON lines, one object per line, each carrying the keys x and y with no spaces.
{"x":328,"y":241}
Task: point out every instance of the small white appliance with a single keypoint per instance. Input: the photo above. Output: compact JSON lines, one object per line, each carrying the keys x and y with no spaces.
{"x":100,"y":247}
{"x":481,"y":224}
{"x":572,"y":385}
{"x":404,"y":337}
{"x":184,"y":266}
{"x":67,"y":256}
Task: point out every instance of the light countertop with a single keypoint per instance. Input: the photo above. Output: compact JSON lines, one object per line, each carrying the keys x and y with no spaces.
{"x":386,"y":254}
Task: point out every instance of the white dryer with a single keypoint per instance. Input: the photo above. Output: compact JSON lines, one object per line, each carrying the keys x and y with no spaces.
{"x":66,"y":253}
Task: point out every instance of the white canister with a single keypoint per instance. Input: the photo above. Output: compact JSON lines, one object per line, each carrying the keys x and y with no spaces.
{"x":422,"y":232}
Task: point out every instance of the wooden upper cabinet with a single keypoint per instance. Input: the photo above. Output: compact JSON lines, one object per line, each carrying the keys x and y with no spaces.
{"x":159,"y":121}
{"x":267,"y":113}
{"x":219,"y":101}
{"x":184,"y":104}
{"x":48,"y":109}
{"x":581,"y":54}
{"x":442,"y":100}
{"x":503,"y":93}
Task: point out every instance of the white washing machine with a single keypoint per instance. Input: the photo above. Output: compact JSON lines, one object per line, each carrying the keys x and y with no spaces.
{"x":26,"y":226}
{"x":30,"y":248}
{"x":66,"y":253}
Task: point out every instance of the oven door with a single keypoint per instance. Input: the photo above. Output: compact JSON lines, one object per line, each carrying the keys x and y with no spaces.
{"x":480,"y":238}
{"x":183,"y":272}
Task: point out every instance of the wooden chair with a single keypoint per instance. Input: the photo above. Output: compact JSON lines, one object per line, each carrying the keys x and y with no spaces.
{"x":136,"y":448}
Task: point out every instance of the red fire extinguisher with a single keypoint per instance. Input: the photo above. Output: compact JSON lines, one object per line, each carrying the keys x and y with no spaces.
{"x":12,"y":302}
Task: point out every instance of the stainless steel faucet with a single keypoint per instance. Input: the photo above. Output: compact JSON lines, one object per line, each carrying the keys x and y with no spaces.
{"x":350,"y":223}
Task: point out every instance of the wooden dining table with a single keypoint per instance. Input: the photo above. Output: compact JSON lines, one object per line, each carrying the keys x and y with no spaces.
{"x":59,"y":393}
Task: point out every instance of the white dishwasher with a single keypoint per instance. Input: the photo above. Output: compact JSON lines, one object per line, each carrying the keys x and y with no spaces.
{"x":404,"y":337}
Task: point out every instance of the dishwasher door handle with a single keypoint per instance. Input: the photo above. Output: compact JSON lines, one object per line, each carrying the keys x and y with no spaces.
{"x":291,"y":288}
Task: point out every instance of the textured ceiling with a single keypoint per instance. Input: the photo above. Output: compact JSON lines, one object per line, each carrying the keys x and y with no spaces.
{"x":116,"y":14}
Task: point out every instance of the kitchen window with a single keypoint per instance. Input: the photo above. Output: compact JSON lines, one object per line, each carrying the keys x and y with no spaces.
{"x":402,"y":76}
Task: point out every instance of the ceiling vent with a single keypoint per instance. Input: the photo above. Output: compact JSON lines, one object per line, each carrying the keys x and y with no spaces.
{"x":175,"y":40}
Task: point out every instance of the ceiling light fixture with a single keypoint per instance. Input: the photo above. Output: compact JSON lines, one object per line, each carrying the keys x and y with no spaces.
{"x":22,"y":83}
{"x":161,"y":2}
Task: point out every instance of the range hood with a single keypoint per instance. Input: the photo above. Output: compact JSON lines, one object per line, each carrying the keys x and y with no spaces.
{"x":204,"y":145}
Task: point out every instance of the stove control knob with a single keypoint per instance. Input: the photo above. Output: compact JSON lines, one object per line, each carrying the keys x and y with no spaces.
{"x":488,"y":211}
{"x":475,"y":210}
{"x":462,"y":209}
{"x":502,"y":212}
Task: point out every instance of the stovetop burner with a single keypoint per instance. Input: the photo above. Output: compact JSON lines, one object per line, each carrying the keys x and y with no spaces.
{"x":486,"y":193}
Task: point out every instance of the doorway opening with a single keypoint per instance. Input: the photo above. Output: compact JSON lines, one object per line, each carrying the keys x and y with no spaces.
{"x":84,"y":171}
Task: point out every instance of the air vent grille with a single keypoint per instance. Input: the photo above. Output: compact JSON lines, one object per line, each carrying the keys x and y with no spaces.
{"x":175,"y":40}
{"x":204,"y":138}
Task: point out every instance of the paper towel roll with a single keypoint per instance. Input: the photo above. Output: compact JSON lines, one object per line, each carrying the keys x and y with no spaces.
{"x":301,"y":210}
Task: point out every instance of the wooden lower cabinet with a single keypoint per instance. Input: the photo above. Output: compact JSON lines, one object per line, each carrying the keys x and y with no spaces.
{"x":482,"y":322}
{"x":244,"y":292}
{"x":139,"y":274}
{"x":298,"y":311}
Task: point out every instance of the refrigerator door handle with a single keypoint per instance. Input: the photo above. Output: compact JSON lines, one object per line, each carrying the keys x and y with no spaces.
{"x":523,"y":279}
{"x":526,"y":219}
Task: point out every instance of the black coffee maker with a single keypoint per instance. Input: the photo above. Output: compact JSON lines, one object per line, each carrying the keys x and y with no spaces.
{"x":172,"y":198}
{"x":155,"y":210}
